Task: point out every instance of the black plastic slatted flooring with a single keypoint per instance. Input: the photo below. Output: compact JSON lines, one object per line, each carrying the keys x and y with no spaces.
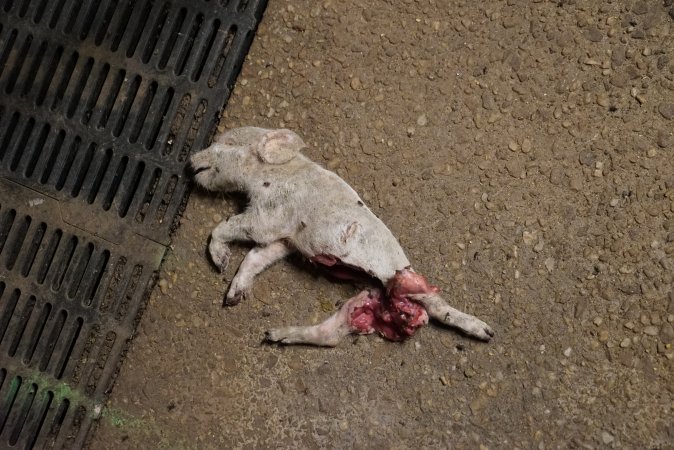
{"x":101,"y":102}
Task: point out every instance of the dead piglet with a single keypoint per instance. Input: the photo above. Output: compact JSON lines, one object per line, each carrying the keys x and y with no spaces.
{"x":296,"y":205}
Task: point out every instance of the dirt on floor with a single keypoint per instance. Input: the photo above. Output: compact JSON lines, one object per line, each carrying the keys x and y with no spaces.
{"x":523,"y":153}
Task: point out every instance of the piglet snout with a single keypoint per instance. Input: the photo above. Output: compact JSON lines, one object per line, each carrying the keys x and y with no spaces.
{"x":197,"y":164}
{"x":197,"y":170}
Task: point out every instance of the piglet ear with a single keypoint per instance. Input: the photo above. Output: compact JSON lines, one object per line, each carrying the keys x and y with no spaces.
{"x":279,"y":146}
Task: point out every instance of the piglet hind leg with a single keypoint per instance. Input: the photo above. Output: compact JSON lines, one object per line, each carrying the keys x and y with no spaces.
{"x":439,"y":310}
{"x":327,"y":333}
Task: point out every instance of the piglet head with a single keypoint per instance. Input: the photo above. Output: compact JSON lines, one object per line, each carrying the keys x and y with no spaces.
{"x":407,"y":282}
{"x":221,"y":167}
{"x":240,"y":155}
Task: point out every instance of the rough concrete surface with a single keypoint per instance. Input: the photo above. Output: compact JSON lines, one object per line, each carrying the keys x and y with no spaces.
{"x":523,"y":153}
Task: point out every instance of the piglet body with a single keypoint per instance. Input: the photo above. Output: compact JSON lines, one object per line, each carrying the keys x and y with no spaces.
{"x":296,"y":205}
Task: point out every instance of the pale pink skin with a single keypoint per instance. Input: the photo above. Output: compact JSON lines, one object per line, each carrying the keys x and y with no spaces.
{"x":296,"y":205}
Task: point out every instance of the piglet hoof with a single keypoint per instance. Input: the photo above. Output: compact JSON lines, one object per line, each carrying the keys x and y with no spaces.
{"x":479,"y":330}
{"x":275,"y":336}
{"x":219,"y":254}
{"x":233,"y":298}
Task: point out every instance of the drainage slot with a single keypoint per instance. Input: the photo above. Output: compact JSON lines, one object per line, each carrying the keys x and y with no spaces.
{"x":57,"y":328}
{"x":83,"y":358}
{"x":8,"y":134}
{"x":8,"y":402}
{"x":65,"y":79}
{"x":121,"y":25}
{"x":84,"y":170}
{"x":37,"y":333}
{"x":189,"y":42}
{"x":49,"y":254}
{"x":20,"y":146}
{"x":149,"y":194}
{"x":34,"y":68}
{"x":72,"y":17}
{"x":173,"y":37}
{"x":95,"y":93}
{"x":206,"y":51}
{"x":79,"y":88}
{"x":19,"y":236}
{"x":155,"y":33}
{"x":166,"y":198}
{"x":114,"y":186}
{"x":39,"y":11}
{"x":102,"y":170}
{"x":68,"y":162}
{"x":80,"y":269}
{"x":101,"y":362}
{"x":49,"y":76}
{"x":89,"y":20}
{"x":31,"y":253}
{"x":159,"y":121}
{"x":194,"y":129}
{"x":72,"y":340}
{"x":131,"y":288}
{"x":23,"y":414}
{"x":8,"y":311}
{"x":97,"y":276}
{"x":49,"y":397}
{"x":7,"y":50}
{"x":222,"y":57}
{"x":6,"y":221}
{"x":18,"y":64}
{"x":142,"y":21}
{"x":130,"y":193}
{"x":21,"y":322}
{"x":59,"y":418}
{"x":126,"y":105}
{"x":142,"y":114}
{"x":78,"y":418}
{"x":243,"y":4}
{"x":107,"y":17}
{"x":64,"y":264}
{"x":177,"y":123}
{"x":37,"y":150}
{"x":113,"y":285}
{"x":24,"y":8}
{"x":51,"y":162}
{"x":111,"y":98}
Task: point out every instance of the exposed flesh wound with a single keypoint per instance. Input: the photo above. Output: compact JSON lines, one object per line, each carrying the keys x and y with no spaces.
{"x":393,"y":314}
{"x":407,"y":282}
{"x":338,"y":269}
{"x":324,"y":259}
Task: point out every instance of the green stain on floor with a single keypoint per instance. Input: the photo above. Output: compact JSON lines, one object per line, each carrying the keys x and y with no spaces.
{"x":62,"y":391}
{"x":119,"y":419}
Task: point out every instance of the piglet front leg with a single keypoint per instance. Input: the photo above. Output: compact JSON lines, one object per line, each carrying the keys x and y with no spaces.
{"x":236,"y":228}
{"x":257,"y":260}
{"x":327,"y":333}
